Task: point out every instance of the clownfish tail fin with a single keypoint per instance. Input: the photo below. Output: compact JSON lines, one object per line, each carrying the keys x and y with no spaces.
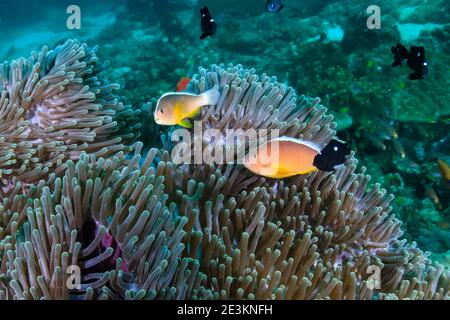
{"x":211,"y":97}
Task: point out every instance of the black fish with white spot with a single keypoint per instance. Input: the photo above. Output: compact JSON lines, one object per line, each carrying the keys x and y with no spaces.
{"x":415,"y":59}
{"x":208,"y":25}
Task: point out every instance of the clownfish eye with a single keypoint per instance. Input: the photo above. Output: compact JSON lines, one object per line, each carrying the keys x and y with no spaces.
{"x":161,"y":110}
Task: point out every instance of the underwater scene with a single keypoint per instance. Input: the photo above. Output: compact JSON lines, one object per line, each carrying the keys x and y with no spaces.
{"x":224,"y":150}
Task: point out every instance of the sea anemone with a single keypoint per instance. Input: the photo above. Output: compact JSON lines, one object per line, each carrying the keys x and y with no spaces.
{"x":139,"y":226}
{"x":53,"y":107}
{"x":109,"y":220}
{"x":249,"y":101}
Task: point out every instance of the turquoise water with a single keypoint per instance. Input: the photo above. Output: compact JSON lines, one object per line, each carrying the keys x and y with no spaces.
{"x":397,"y":128}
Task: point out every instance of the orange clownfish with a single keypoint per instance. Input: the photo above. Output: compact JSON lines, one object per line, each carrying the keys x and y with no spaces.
{"x":175,"y":108}
{"x":183,"y":84}
{"x":286,"y":157}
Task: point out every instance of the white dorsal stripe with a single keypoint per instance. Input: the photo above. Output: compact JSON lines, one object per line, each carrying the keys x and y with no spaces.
{"x":307,"y":143}
{"x":178,"y":94}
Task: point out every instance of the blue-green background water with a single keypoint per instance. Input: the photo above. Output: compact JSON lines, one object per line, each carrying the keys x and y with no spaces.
{"x":321,"y":48}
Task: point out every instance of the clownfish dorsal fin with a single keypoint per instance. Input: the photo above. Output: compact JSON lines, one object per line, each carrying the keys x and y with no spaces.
{"x":307,"y":143}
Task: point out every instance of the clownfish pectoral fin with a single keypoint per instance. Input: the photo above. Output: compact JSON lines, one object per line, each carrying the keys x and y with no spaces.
{"x":194,"y":113}
{"x":185,"y":123}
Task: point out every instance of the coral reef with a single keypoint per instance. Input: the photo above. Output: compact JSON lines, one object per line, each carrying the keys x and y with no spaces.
{"x":346,"y":221}
{"x":138,"y":226}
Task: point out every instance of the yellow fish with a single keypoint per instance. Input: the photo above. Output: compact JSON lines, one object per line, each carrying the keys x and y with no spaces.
{"x":445,"y":171}
{"x":286,"y":157}
{"x":174,"y":108}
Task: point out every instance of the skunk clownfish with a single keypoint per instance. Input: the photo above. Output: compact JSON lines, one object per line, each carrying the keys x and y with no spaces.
{"x":286,"y":157}
{"x":175,"y":108}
